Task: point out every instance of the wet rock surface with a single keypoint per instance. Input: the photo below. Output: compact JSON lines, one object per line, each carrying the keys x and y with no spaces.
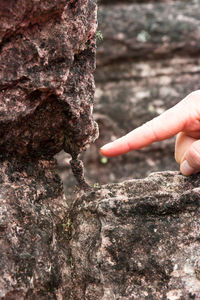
{"x":138,"y":240}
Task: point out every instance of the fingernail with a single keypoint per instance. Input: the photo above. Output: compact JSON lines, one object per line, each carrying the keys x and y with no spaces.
{"x":106,"y":147}
{"x":186,"y":169}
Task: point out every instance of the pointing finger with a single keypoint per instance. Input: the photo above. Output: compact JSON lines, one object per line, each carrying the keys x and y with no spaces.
{"x":162,"y":127}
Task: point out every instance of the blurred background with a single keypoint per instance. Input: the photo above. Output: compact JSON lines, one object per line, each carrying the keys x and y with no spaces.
{"x":148,"y":59}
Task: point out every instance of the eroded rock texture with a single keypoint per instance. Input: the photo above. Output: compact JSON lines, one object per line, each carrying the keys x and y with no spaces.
{"x":138,"y":240}
{"x":46,"y":76}
{"x":47,"y":59}
{"x":33,"y":248}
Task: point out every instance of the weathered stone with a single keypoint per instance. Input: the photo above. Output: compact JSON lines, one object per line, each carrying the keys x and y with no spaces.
{"x":46,"y":77}
{"x":138,"y":240}
{"x":33,"y":220}
{"x":47,"y":59}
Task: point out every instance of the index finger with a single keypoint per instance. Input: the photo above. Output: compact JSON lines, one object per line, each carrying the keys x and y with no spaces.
{"x":160,"y":128}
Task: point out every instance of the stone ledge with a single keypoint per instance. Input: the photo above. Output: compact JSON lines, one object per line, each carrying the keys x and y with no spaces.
{"x":138,"y":239}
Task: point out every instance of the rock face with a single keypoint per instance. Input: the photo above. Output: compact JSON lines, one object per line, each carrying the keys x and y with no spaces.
{"x":138,"y":240}
{"x":33,"y":209}
{"x":46,"y":76}
{"x":47,"y":59}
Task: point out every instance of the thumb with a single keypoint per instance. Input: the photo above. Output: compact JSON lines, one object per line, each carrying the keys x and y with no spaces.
{"x":191,"y":164}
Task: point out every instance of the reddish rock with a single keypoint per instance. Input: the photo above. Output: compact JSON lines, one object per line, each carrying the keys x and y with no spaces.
{"x":47,"y":59}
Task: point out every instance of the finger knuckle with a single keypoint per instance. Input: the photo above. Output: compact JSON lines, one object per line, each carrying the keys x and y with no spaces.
{"x":152,"y":127}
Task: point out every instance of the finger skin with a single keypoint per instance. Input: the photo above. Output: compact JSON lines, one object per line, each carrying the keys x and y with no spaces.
{"x":193,"y":156}
{"x":184,"y":152}
{"x":183,"y":143}
{"x":182,"y":119}
{"x":162,"y":127}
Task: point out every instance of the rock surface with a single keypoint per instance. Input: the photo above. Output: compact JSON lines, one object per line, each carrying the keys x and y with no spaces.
{"x":135,"y":240}
{"x":116,"y":2}
{"x":138,"y":240}
{"x":33,"y":247}
{"x":148,"y":31}
{"x":47,"y":59}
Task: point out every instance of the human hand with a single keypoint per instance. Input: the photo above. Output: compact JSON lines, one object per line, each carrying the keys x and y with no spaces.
{"x":182,"y":119}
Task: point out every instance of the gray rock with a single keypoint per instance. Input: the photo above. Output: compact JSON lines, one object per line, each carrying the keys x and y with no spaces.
{"x":117,"y":2}
{"x":153,"y":30}
{"x":138,"y":240}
